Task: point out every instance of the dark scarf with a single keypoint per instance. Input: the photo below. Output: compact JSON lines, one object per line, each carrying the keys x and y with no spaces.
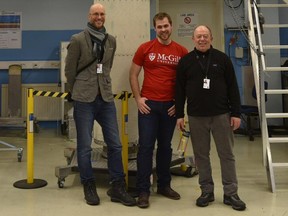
{"x":98,"y":37}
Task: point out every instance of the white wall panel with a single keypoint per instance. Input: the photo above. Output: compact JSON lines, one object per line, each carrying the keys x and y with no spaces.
{"x":129,"y":22}
{"x":210,"y":12}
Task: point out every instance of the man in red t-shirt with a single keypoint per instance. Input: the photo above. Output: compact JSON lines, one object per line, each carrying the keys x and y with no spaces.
{"x":156,"y":109}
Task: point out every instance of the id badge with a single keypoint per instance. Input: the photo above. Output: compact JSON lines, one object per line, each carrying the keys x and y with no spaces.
{"x":206,"y":83}
{"x":99,"y":68}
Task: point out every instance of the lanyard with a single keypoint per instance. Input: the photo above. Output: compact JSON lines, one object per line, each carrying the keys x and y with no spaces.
{"x":205,"y":70}
{"x":97,"y":51}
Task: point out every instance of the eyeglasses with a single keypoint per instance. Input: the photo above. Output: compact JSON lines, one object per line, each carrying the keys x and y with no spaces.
{"x":98,"y":14}
{"x":205,"y":36}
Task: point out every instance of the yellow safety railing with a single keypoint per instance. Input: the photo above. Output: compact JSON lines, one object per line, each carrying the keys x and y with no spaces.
{"x":124,"y":134}
{"x":30,"y":182}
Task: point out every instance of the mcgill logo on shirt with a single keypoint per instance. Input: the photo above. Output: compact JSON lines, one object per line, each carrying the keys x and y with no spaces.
{"x":168,"y":59}
{"x":152,"y":56}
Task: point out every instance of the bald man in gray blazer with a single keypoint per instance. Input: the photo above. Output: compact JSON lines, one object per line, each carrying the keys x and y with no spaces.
{"x":88,"y":65}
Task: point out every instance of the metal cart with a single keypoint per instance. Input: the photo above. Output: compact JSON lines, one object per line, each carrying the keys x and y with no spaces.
{"x":12,"y":148}
{"x":99,"y":164}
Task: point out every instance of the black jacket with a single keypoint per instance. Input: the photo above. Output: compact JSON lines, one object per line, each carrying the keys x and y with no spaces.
{"x":223,"y":94}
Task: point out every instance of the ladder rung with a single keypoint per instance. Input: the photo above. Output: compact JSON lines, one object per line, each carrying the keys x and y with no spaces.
{"x":276,"y":115}
{"x":272,"y":5}
{"x":9,"y":149}
{"x":275,"y":25}
{"x":276,"y":69}
{"x":278,"y":140}
{"x":276,"y":91}
{"x":280,"y":164}
{"x":275,"y":46}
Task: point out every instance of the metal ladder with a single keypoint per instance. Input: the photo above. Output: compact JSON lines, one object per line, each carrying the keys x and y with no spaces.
{"x":256,"y":30}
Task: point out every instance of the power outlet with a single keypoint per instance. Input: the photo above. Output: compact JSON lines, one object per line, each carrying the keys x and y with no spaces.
{"x":239,"y":52}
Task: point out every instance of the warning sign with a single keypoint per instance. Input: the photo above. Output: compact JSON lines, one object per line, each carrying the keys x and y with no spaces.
{"x":186,"y":24}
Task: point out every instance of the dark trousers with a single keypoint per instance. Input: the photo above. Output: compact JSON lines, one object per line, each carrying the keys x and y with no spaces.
{"x":157,"y":125}
{"x":201,"y":129}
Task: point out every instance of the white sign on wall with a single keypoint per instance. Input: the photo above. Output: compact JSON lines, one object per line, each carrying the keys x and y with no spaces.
{"x":10,"y":30}
{"x":186,"y":24}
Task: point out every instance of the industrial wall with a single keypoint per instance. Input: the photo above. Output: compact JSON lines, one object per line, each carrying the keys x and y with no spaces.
{"x":46,"y":23}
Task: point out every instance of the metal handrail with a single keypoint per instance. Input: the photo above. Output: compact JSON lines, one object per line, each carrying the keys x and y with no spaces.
{"x":257,"y":58}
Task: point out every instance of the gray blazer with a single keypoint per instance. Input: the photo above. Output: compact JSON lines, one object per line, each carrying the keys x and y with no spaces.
{"x":85,"y":86}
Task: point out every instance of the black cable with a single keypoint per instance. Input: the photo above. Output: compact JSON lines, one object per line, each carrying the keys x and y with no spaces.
{"x":235,"y":7}
{"x":242,"y":30}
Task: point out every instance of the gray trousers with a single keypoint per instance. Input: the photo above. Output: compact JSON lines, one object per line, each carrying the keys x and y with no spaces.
{"x":201,"y":129}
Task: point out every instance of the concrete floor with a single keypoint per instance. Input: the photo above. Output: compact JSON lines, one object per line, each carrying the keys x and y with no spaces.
{"x":48,"y":151}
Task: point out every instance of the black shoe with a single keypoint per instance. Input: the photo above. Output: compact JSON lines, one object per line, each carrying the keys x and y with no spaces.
{"x":90,"y":193}
{"x":169,"y":193}
{"x":235,"y":202}
{"x":143,"y":200}
{"x":118,"y":193}
{"x":204,"y":199}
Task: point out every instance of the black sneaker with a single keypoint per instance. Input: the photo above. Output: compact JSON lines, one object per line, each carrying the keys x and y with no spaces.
{"x":235,"y":202}
{"x":90,"y":193}
{"x":204,"y":199}
{"x":118,"y":193}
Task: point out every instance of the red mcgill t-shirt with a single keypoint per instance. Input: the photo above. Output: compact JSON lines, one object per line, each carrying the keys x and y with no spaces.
{"x":159,"y":62}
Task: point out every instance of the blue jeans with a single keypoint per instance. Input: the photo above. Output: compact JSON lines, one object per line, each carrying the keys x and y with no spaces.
{"x":157,"y":125}
{"x":105,"y":114}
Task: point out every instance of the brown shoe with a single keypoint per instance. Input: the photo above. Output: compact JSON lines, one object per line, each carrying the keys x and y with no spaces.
{"x":169,"y":193}
{"x":143,"y":200}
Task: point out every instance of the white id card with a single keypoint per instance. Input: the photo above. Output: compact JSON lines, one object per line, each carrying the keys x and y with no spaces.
{"x":206,"y":83}
{"x":99,"y":68}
